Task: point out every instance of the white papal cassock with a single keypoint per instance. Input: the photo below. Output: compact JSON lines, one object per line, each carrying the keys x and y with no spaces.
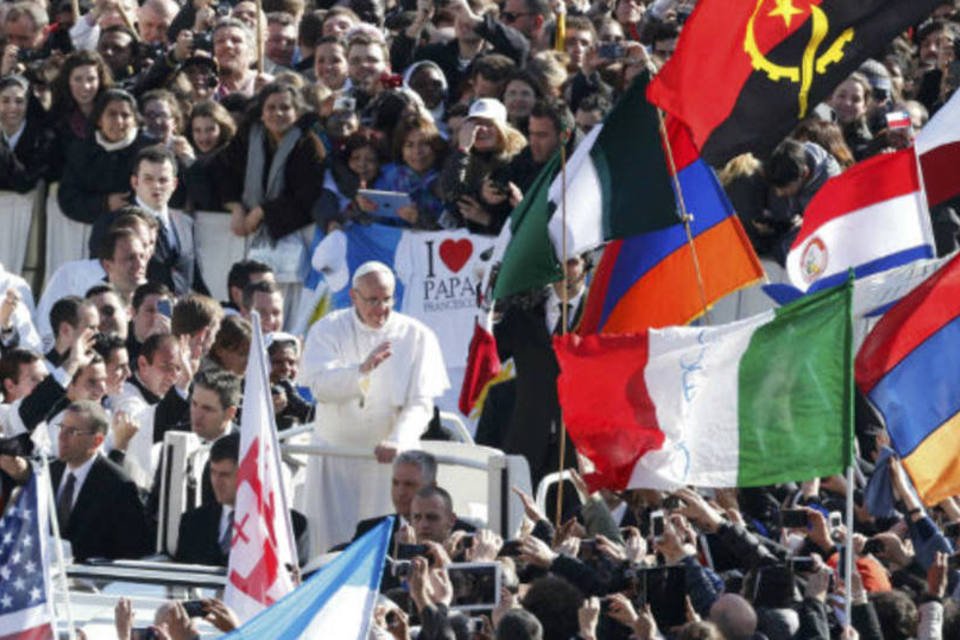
{"x":393,"y":402}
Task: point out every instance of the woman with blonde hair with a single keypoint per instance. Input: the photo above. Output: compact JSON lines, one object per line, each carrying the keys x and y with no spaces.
{"x":486,"y":144}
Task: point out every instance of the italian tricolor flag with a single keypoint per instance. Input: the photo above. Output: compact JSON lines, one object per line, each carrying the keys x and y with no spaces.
{"x":761,"y":401}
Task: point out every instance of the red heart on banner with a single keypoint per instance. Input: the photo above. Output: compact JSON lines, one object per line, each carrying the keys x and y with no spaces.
{"x":455,"y":253}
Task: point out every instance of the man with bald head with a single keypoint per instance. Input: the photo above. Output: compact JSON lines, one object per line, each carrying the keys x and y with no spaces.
{"x":374,"y":373}
{"x":734,"y":616}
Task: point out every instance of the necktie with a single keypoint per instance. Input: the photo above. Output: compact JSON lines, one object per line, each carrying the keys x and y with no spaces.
{"x":227,"y":535}
{"x":65,"y":502}
{"x":558,"y":328}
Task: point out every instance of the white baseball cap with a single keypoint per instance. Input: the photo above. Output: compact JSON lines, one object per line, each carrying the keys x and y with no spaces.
{"x":488,"y":109}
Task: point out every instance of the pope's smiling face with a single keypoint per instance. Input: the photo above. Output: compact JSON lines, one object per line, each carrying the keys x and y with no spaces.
{"x":373,"y":299}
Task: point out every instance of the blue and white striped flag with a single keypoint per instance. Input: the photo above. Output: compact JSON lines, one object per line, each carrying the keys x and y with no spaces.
{"x":337,"y":602}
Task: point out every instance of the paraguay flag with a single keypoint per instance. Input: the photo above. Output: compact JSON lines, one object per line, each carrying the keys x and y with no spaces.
{"x":651,"y":279}
{"x":337,"y":602}
{"x":871,"y":218}
{"x":907,"y":367}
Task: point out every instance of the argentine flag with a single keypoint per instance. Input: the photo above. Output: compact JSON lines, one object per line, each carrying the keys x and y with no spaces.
{"x":337,"y":602}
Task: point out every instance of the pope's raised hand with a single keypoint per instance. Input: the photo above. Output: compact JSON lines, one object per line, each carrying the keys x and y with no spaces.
{"x":380,"y":353}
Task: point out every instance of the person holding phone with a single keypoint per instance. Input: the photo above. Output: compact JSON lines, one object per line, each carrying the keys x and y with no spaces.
{"x":486,"y":142}
{"x":418,"y":152}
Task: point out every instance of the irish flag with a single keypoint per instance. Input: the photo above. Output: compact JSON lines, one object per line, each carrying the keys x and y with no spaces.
{"x":760,"y":401}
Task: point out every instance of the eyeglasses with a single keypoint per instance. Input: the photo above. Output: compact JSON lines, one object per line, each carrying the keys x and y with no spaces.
{"x":376,"y":302}
{"x":510,"y":16}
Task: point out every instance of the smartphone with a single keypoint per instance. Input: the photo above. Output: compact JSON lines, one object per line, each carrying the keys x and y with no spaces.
{"x":835,"y":519}
{"x":802,"y":564}
{"x":400,"y":568}
{"x":510,"y":549}
{"x":466,"y":542}
{"x":194,"y":608}
{"x":657,"y":524}
{"x":611,"y":51}
{"x":409,"y":551}
{"x":672,"y":502}
{"x":793,"y":518}
{"x":663,"y":588}
{"x":165,"y":307}
{"x":476,"y":585}
{"x":774,"y":587}
{"x":143,"y":633}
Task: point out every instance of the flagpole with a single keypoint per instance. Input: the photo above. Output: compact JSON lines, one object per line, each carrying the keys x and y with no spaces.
{"x":58,"y":541}
{"x":563,"y":317}
{"x":259,"y":32}
{"x":848,"y":544}
{"x":924,"y":200}
{"x":685,"y":216}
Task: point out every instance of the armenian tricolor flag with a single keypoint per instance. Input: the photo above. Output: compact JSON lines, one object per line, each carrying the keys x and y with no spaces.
{"x":907,"y":367}
{"x":649,"y":280}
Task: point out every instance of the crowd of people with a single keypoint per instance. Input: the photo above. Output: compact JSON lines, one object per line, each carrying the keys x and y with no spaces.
{"x":131,"y":120}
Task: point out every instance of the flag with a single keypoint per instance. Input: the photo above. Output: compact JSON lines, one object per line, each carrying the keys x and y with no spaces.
{"x":870,"y":218}
{"x":483,"y":364}
{"x":761,"y":401}
{"x":744,"y":73}
{"x":523,"y":249}
{"x":26,"y":605}
{"x":650,"y":280}
{"x":907,"y":368}
{"x":262,"y":548}
{"x":617,"y":182}
{"x":336,"y":602}
{"x":938,"y":145}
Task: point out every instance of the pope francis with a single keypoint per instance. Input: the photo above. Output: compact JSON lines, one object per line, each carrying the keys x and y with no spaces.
{"x":374,"y":373}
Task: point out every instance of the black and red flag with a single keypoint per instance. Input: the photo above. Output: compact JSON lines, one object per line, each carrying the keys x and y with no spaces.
{"x":746,"y":71}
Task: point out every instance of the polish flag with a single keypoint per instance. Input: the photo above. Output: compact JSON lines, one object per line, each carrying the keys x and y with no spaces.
{"x":262,"y":551}
{"x":938,"y":145}
{"x":871,"y":218}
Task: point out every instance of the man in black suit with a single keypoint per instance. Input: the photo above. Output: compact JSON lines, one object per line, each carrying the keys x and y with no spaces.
{"x":174,"y":260}
{"x":412,"y":471}
{"x":206,"y":532}
{"x":525,"y":333}
{"x":98,"y":506}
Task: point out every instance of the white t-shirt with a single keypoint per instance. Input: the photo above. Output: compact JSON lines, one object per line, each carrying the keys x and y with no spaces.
{"x":441,"y":272}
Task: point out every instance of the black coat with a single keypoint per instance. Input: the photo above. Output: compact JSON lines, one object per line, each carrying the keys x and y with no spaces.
{"x":534,"y":426}
{"x":23,"y":166}
{"x":92,"y":173}
{"x":303,"y":181}
{"x":107,"y":519}
{"x":199,"y":539}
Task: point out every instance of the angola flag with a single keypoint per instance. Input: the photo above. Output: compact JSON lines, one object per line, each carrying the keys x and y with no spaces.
{"x":745,"y":71}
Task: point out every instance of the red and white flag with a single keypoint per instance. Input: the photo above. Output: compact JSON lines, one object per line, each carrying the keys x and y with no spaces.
{"x":870,"y":218}
{"x":262,"y":549}
{"x":938,"y":145}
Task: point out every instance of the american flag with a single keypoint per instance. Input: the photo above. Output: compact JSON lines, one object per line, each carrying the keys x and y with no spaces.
{"x":25,"y":601}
